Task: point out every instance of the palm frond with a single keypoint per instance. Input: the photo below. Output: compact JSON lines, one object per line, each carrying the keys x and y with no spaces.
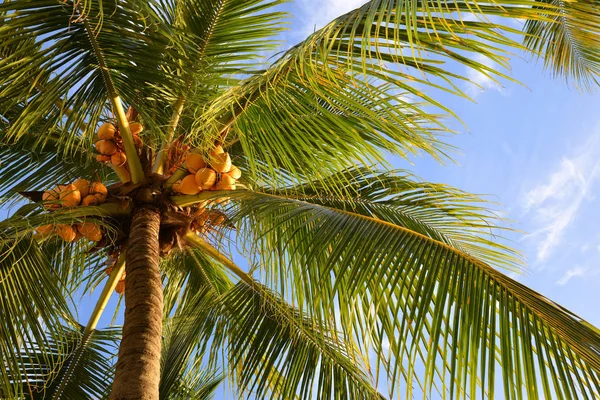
{"x":358,"y":85}
{"x":569,"y":42}
{"x":43,"y":372}
{"x":419,"y":303}
{"x":32,"y":309}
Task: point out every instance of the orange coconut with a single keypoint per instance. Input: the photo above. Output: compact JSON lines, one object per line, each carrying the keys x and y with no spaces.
{"x":83,"y":185}
{"x":205,"y":178}
{"x":66,"y":232}
{"x":221,"y":162}
{"x":137,"y":141}
{"x":107,"y":147}
{"x":217,"y":150}
{"x":89,"y":200}
{"x":90,"y":230}
{"x":120,"y":288}
{"x":50,"y":197}
{"x":225,"y":183}
{"x":102,"y":158}
{"x":106,"y":131}
{"x":235,"y":172}
{"x":135,"y":128}
{"x":188,"y":185}
{"x":194,"y":162}
{"x":69,"y":195}
{"x":45,"y":229}
{"x":119,"y":159}
{"x":99,"y":190}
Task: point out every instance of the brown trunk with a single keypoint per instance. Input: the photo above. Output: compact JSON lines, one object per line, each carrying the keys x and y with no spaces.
{"x":138,"y":366}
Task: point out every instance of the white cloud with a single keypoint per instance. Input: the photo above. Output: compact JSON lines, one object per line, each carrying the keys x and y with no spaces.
{"x":556,"y":202}
{"x":480,"y":81}
{"x":571,"y":273}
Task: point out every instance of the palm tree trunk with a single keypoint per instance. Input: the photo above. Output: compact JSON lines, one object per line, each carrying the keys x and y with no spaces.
{"x":138,"y":366}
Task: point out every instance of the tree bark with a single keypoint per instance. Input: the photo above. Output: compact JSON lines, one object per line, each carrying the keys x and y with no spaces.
{"x":138,"y":366}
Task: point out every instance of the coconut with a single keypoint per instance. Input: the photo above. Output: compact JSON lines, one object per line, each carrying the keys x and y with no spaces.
{"x":83,"y":186}
{"x":106,"y":131}
{"x":120,"y":288}
{"x":217,"y":150}
{"x":188,"y":185}
{"x":205,"y":178}
{"x":69,"y":195}
{"x":99,"y":190}
{"x":235,"y":172}
{"x":50,"y":197}
{"x":90,"y":231}
{"x":119,"y":159}
{"x":135,"y":128}
{"x":225,"y":183}
{"x":102,"y":158}
{"x":107,"y":147}
{"x":45,"y":229}
{"x":67,"y":233}
{"x":194,"y":162}
{"x":137,"y":141}
{"x":89,"y":200}
{"x":221,"y":162}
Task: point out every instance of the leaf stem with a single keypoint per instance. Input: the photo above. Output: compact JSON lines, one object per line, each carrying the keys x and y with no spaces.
{"x":135,"y":166}
{"x":161,"y":157}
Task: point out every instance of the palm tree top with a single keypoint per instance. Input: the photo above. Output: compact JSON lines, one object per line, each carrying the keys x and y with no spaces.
{"x":193,"y":152}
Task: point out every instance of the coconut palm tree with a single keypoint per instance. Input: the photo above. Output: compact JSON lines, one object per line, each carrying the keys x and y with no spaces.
{"x":120,"y":125}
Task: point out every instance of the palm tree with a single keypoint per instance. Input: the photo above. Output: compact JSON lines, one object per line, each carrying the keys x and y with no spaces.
{"x":358,"y":277}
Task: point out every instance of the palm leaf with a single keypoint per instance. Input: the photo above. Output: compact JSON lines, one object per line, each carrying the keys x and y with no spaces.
{"x":419,"y":303}
{"x":91,"y":378}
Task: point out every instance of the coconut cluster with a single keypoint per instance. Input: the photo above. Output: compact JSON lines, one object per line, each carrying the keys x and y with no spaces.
{"x":110,"y":146}
{"x":80,"y":192}
{"x":216,"y":174}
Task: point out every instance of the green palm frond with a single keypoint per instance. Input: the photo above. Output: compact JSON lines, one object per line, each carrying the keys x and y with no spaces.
{"x":422,"y":303}
{"x":438,"y":211}
{"x":60,"y":55}
{"x":31,"y":303}
{"x":570,"y":42}
{"x":360,"y":84}
{"x":44,"y":368}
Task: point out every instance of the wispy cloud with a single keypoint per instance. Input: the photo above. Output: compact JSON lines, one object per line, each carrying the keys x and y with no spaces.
{"x":556,"y":202}
{"x":571,"y":273}
{"x":480,"y":82}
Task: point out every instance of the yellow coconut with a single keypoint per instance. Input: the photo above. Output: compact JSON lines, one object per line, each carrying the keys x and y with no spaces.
{"x":83,"y":185}
{"x":221,"y":162}
{"x":188,"y":185}
{"x":135,"y":128}
{"x":118,"y":159}
{"x":235,"y":172}
{"x":90,"y":230}
{"x":66,"y":232}
{"x":99,"y":190}
{"x":102,"y":158}
{"x":205,"y":178}
{"x":45,"y":229}
{"x":120,"y":288}
{"x":225,"y":183}
{"x":50,"y":197}
{"x":194,"y":162}
{"x":89,"y":200}
{"x":107,"y":147}
{"x":106,"y":131}
{"x":217,"y":150}
{"x":69,"y":195}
